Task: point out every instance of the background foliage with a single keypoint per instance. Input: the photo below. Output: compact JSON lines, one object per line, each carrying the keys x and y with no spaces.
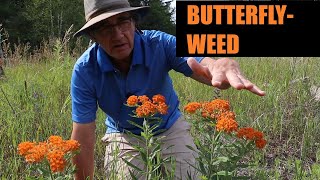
{"x":32,"y":21}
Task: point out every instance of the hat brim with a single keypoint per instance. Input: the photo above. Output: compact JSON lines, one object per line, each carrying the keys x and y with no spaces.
{"x":142,"y":11}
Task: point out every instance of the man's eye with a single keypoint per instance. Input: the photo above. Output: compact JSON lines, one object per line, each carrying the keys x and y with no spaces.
{"x":124,"y":19}
{"x":107,"y":26}
{"x":123,"y":22}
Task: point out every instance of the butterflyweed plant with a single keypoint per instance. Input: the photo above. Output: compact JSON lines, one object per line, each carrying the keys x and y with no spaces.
{"x":222,"y":144}
{"x":150,"y":146}
{"x":51,"y":158}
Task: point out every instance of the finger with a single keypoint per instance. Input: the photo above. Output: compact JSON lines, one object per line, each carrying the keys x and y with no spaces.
{"x":234,"y":80}
{"x":257,"y":91}
{"x":217,"y":79}
{"x":198,"y":69}
{"x":248,"y":84}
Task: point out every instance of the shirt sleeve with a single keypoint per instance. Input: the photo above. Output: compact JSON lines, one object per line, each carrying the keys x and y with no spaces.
{"x":84,"y":103}
{"x":179,"y":64}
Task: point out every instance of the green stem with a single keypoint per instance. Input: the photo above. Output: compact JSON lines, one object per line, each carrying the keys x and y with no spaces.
{"x":51,"y":175}
{"x":146,"y":129}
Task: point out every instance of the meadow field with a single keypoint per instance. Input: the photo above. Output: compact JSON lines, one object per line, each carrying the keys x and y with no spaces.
{"x":35,"y":103}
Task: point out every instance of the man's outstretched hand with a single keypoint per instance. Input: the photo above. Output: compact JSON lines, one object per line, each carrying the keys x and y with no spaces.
{"x":221,"y":73}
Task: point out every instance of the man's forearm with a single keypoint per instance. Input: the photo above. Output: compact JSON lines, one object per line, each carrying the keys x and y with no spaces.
{"x":201,"y":77}
{"x":84,"y":164}
{"x":84,"y":161}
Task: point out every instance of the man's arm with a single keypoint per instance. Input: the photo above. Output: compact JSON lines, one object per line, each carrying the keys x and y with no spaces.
{"x":221,"y":73}
{"x":85,"y":135}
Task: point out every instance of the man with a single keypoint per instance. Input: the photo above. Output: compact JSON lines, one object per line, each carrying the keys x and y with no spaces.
{"x":125,"y":61}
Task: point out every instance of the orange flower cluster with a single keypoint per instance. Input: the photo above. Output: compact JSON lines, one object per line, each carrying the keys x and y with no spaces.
{"x":214,"y":108}
{"x":147,"y":107}
{"x":219,"y":110}
{"x":192,"y":107}
{"x":54,"y":150}
{"x":132,"y":100}
{"x":251,"y":134}
{"x":208,"y":109}
{"x":226,"y":122}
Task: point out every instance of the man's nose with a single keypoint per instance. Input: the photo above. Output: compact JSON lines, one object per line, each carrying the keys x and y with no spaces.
{"x":117,"y":32}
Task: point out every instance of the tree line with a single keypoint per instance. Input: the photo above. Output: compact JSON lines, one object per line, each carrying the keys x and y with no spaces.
{"x":33,"y":21}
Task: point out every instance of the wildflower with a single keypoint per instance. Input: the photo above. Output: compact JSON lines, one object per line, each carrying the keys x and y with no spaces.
{"x":55,"y":140}
{"x":246,"y":132}
{"x":143,"y":99}
{"x":157,"y":99}
{"x":260,"y":143}
{"x":226,"y":115}
{"x":54,"y":150}
{"x":226,"y":122}
{"x":37,"y":153}
{"x":162,"y":108}
{"x":214,"y":108}
{"x":217,"y":105}
{"x":250,"y":133}
{"x":192,"y":107}
{"x":205,"y":114}
{"x":24,"y":147}
{"x":132,"y":100}
{"x":220,"y":104}
{"x":72,"y":145}
{"x":56,"y":160}
{"x":146,"y":109}
{"x":258,"y":135}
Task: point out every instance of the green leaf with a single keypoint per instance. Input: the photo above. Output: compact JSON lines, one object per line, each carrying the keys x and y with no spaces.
{"x":223,"y":159}
{"x":143,"y":156}
{"x":43,"y":171}
{"x":132,"y":175}
{"x":132,"y":165}
{"x":135,"y":124}
{"x":224,"y":173}
{"x":139,"y":138}
{"x":157,"y":152}
{"x":190,"y":147}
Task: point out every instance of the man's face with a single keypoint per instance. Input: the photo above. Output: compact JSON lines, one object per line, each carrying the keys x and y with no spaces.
{"x":116,"y":35}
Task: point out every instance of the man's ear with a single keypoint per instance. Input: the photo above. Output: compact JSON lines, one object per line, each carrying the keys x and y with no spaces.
{"x":93,"y":39}
{"x":91,"y":36}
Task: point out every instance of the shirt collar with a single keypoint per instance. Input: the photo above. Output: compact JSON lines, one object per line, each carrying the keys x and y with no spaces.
{"x":105,"y":62}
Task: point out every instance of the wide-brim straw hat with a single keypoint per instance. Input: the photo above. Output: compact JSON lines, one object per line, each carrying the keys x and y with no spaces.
{"x":98,"y":10}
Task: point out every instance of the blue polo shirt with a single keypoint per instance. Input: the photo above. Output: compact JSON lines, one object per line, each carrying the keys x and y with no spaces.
{"x":97,"y":83}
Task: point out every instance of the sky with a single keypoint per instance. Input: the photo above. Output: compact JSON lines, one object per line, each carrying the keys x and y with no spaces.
{"x":173,"y":4}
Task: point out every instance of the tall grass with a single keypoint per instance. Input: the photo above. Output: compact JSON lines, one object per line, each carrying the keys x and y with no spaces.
{"x":35,"y":103}
{"x":289,"y":113}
